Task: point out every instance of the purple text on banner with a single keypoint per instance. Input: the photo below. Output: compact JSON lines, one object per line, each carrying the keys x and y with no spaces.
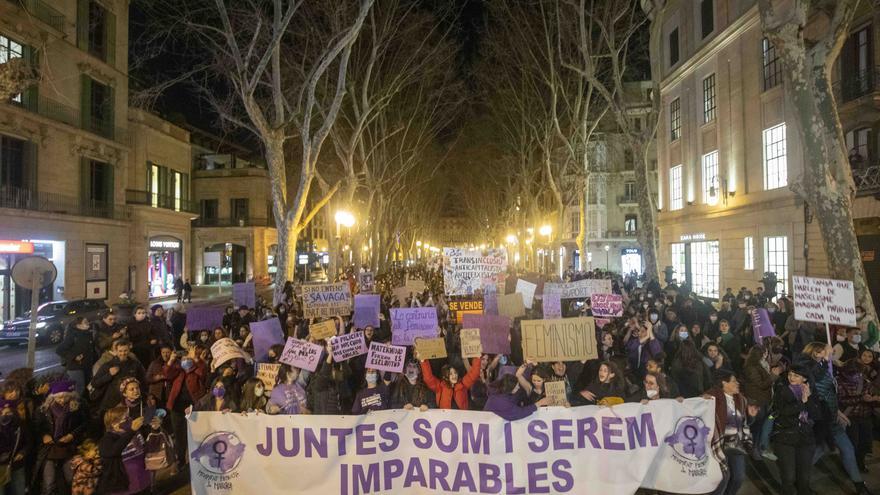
{"x":301,"y":354}
{"x":409,"y":323}
{"x":494,"y":332}
{"x":366,"y":310}
{"x":761,"y":326}
{"x":490,"y":300}
{"x":384,"y":357}
{"x":606,"y":305}
{"x":244,"y":294}
{"x":204,"y":318}
{"x":552,"y":306}
{"x":265,"y":334}
{"x":348,"y":346}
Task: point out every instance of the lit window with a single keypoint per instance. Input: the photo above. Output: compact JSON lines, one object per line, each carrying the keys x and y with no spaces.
{"x":676,"y":201}
{"x":749,"y":253}
{"x":776,"y":260}
{"x":705,"y":268}
{"x":630,"y":224}
{"x":709,"y":99}
{"x":675,"y":119}
{"x":775,"y":164}
{"x":678,"y":261}
{"x":10,"y":50}
{"x":710,"y":178}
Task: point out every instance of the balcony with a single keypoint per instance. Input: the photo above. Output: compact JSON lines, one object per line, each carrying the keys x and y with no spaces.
{"x":59,"y":112}
{"x":25,"y":199}
{"x":867,"y":180}
{"x":233,"y":222}
{"x":627,"y":200}
{"x":147,"y":198}
{"x":857,"y":85}
{"x":42,"y":11}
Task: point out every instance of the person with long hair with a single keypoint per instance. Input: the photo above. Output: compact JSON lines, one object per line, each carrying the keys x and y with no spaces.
{"x":732,"y":413}
{"x":373,"y":396}
{"x":689,"y":372}
{"x":409,"y":390}
{"x":795,"y":410}
{"x":253,"y":397}
{"x":609,"y":387}
{"x":288,"y":395}
{"x":450,"y":391}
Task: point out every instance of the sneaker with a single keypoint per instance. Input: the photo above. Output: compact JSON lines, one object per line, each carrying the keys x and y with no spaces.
{"x":770,"y":456}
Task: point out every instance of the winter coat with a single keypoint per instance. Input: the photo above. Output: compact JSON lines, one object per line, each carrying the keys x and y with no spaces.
{"x":196,"y":381}
{"x":77,"y":342}
{"x":446,"y":393}
{"x":104,"y":335}
{"x":158,"y":384}
{"x":403,"y":393}
{"x":322,"y":393}
{"x":650,"y":349}
{"x":113,"y":475}
{"x":788,"y":429}
{"x":757,"y":382}
{"x":690,"y":382}
{"x":106,"y":386}
{"x":141,"y":333}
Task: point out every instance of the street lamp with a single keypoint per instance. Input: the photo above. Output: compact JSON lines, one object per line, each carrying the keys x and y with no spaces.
{"x":607,"y":248}
{"x":546,"y":231}
{"x":511,"y":239}
{"x":343,"y":219}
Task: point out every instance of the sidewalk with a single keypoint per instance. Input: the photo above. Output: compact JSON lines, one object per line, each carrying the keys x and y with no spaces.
{"x":207,"y":295}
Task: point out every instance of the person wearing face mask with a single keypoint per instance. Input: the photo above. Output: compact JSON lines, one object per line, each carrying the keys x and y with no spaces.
{"x":641,"y":346}
{"x":188,"y":377}
{"x":868,"y":327}
{"x":451,"y":392}
{"x":288,"y":396}
{"x":679,"y":334}
{"x":710,"y":328}
{"x":217,"y":398}
{"x":659,"y":328}
{"x":253,"y":396}
{"x":205,"y":338}
{"x":655,"y":386}
{"x":158,"y":384}
{"x":795,"y":412}
{"x":849,"y":347}
{"x":409,"y":390}
{"x":77,"y":352}
{"x":59,"y":425}
{"x":373,"y":396}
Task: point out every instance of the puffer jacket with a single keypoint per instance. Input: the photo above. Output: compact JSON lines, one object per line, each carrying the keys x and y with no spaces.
{"x":446,"y":393}
{"x":757,"y":383}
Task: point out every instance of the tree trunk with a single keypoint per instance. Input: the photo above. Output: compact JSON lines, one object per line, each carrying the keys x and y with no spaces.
{"x":647,"y":232}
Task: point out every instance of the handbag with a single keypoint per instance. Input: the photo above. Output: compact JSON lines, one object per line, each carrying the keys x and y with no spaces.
{"x":6,"y":469}
{"x":738,"y":443}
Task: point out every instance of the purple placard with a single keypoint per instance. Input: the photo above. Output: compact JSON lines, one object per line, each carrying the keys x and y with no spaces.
{"x":366,"y":310}
{"x":409,"y":323}
{"x":244,"y":294}
{"x":494,"y":332}
{"x":384,"y":357}
{"x":490,"y":300}
{"x":204,"y":318}
{"x":606,"y":305}
{"x":348,"y":346}
{"x":506,"y":370}
{"x":761,"y":326}
{"x":552,"y":306}
{"x":301,"y":354}
{"x":265,"y":334}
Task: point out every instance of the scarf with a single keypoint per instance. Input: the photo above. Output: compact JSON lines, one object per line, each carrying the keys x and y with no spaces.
{"x":798,"y":391}
{"x":59,"y":419}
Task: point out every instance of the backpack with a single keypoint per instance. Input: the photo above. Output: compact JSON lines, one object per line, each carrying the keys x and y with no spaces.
{"x":159,"y":451}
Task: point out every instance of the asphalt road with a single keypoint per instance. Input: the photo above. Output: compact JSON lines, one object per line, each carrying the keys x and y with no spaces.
{"x":14,"y":356}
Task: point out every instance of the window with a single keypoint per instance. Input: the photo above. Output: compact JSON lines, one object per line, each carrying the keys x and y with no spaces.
{"x":678,"y":261}
{"x":705,"y":263}
{"x":629,"y":192}
{"x":772,"y":65}
{"x":17,"y":166}
{"x":710,"y":178}
{"x":209,"y":209}
{"x":597,"y":190}
{"x":596,"y":223}
{"x":97,"y":107}
{"x":776,"y":259}
{"x":239,"y":208}
{"x":675,"y":119}
{"x":673,"y":47}
{"x":775,"y":163}
{"x":857,"y":147}
{"x":858,"y":77}
{"x":630,"y":224}
{"x":9,"y":50}
{"x":675,"y":198}
{"x":709,"y":99}
{"x":96,"y":30}
{"x":97,"y":186}
{"x":707,"y":17}
{"x":749,"y":253}
{"x":575,"y":223}
{"x":166,"y":188}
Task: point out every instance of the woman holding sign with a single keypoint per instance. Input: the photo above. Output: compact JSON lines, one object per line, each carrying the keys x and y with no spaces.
{"x":372,"y":397}
{"x":449,"y":391}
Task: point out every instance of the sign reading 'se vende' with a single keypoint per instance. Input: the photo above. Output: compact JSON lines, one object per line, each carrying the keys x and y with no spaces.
{"x":824,"y":300}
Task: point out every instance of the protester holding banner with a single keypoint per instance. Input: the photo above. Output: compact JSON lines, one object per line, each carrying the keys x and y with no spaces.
{"x":288,"y":396}
{"x":217,"y":399}
{"x":732,"y":418}
{"x":506,"y":401}
{"x":373,"y":396}
{"x":409,"y":391}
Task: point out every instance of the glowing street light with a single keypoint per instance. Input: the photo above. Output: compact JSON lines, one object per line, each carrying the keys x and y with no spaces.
{"x":546,"y":230}
{"x":607,"y":248}
{"x":511,"y":239}
{"x":344,"y":218}
{"x":419,"y":243}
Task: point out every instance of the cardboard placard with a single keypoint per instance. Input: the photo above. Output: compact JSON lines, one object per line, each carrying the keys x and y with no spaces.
{"x":552,"y":306}
{"x":265,"y":334}
{"x":226,"y":349}
{"x":431,"y":348}
{"x":471,"y":346}
{"x":409,"y":323}
{"x":527,"y":289}
{"x":323,"y":330}
{"x":348,"y":346}
{"x":366,"y":310}
{"x":566,"y":339}
{"x":494,"y":332}
{"x":555,"y":393}
{"x":415,"y":286}
{"x":511,"y":305}
{"x":301,"y":354}
{"x":607,"y":305}
{"x":466,"y":271}
{"x":326,"y":300}
{"x":384,"y":357}
{"x":824,"y":300}
{"x":244,"y":294}
{"x":268,"y":374}
{"x":402,"y":294}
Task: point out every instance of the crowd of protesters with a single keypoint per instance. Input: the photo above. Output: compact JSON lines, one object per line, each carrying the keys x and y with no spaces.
{"x":115,"y":421}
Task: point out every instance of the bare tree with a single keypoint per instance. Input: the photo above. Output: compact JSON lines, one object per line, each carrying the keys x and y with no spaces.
{"x":808,"y":37}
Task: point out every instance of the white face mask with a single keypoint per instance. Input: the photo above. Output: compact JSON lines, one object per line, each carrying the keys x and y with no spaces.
{"x":841,"y":338}
{"x":654,"y":318}
{"x":652,"y":393}
{"x":857,"y":339}
{"x":713,"y":319}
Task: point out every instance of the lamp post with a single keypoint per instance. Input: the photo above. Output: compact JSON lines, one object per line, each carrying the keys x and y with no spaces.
{"x":546,"y":231}
{"x":607,"y":248}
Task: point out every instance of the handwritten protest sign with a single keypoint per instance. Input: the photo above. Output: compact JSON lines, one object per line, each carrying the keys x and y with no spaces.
{"x":431,"y":348}
{"x":226,"y":349}
{"x":204,"y":318}
{"x":323,"y":330}
{"x":268,"y":374}
{"x":366,"y":310}
{"x":824,"y":300}
{"x":466,"y":306}
{"x":402,"y":294}
{"x":348,"y":346}
{"x":366,"y":282}
{"x":761,"y":326}
{"x":467,"y":270}
{"x":415,"y":286}
{"x":384,"y":357}
{"x":471,"y":346}
{"x":301,"y":354}
{"x":494,"y":332}
{"x":555,"y":393}
{"x":511,"y":305}
{"x":567,"y":339}
{"x":409,"y":323}
{"x":325,"y":300}
{"x":244,"y":294}
{"x":527,"y":289}
{"x":552,"y":306}
{"x":601,"y":322}
{"x":607,"y":305}
{"x":579,"y":289}
{"x":490,"y":299}
{"x":265,"y":334}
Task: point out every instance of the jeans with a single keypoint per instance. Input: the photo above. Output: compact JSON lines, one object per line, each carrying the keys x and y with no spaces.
{"x":847,"y":453}
{"x":861,"y":434}
{"x":761,"y":428}
{"x":733,"y":480}
{"x":52,"y":477}
{"x":17,"y":483}
{"x":178,"y":427}
{"x":795,"y":464}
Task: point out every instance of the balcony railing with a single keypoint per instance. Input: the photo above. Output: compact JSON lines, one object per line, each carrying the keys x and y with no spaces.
{"x":42,"y":11}
{"x":867,"y":180}
{"x":857,"y":84}
{"x":71,"y":116}
{"x":25,"y":199}
{"x":147,"y":198}
{"x":626,"y":199}
{"x":234,"y":222}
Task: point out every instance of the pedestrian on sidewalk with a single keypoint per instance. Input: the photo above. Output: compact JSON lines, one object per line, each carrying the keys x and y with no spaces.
{"x":178,"y":288}
{"x":187,"y":292}
{"x":77,"y":352}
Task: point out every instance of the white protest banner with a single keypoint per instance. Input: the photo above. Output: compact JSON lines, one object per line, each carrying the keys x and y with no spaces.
{"x":606,"y":305}
{"x":384,"y":357}
{"x":325,"y":300}
{"x":301,"y":354}
{"x":527,"y":289}
{"x":580,"y":289}
{"x":415,"y":286}
{"x":348,"y":346}
{"x":566,"y":339}
{"x":663,"y":446}
{"x":268,"y":373}
{"x":471,"y":346}
{"x":409,"y":323}
{"x":467,"y":270}
{"x":226,"y":349}
{"x":824,"y":300}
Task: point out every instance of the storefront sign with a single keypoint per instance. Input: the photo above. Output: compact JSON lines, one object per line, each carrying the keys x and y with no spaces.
{"x":164,"y":244}
{"x":693,"y":237}
{"x":631,"y":251}
{"x":16,"y":247}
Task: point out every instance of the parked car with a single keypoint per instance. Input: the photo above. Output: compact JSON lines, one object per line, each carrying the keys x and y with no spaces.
{"x":52,"y":318}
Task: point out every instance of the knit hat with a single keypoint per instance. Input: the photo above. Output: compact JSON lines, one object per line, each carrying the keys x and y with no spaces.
{"x":8,"y":403}
{"x":61,"y":386}
{"x":124,"y":383}
{"x":801,"y":370}
{"x":154,"y":307}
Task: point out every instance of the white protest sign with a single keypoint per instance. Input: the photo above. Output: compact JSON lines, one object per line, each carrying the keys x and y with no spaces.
{"x":326,"y":300}
{"x":527,"y":289}
{"x":824,"y":300}
{"x":301,"y":354}
{"x":579,"y":289}
{"x":467,"y":270}
{"x":348,"y":346}
{"x":226,"y":349}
